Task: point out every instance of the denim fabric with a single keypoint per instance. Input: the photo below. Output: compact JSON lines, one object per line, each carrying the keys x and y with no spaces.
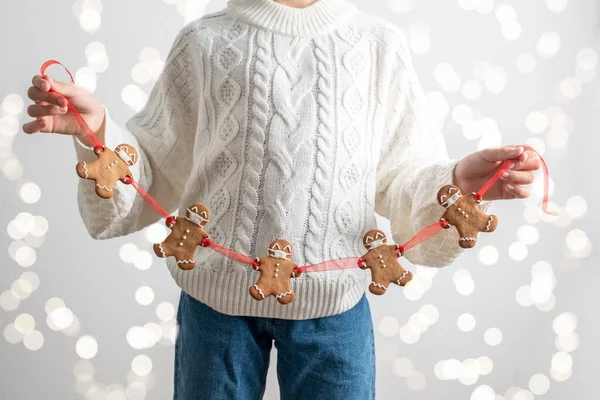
{"x":223,"y":357}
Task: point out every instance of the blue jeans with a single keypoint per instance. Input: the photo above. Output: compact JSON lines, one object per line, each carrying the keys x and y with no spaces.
{"x":223,"y":357}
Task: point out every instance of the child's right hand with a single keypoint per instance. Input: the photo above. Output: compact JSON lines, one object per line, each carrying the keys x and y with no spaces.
{"x":52,"y":115}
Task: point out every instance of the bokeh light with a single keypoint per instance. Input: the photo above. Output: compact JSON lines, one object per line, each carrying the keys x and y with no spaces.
{"x":141,"y":365}
{"x":86,"y":347}
{"x":548,"y":44}
{"x":466,"y":322}
{"x":492,"y":337}
{"x":144,"y":295}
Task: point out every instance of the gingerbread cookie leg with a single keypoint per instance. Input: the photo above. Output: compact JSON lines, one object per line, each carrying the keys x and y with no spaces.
{"x":286,"y":297}
{"x":467,"y":236}
{"x":257,"y":293}
{"x":377,"y":288}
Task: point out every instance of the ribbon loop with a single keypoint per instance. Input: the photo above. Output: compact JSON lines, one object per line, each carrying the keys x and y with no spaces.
{"x":505,"y":166}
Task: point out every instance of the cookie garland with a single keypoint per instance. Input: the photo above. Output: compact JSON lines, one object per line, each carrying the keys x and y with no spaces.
{"x":277,"y":268}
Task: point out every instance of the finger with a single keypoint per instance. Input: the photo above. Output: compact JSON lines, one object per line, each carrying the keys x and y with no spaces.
{"x":33,"y":126}
{"x":41,"y":83}
{"x":36,"y":110}
{"x":37,"y":95}
{"x":67,"y":89}
{"x":502,"y":153}
{"x":533,"y":163}
{"x":518,"y":177}
{"x":519,"y":192}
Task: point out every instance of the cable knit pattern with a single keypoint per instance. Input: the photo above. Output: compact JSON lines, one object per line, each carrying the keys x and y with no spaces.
{"x":325,"y":144}
{"x":260,"y":109}
{"x":295,"y":124}
{"x":291,"y":127}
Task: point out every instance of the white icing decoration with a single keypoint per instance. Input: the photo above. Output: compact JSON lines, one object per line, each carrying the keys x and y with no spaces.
{"x":453,"y":199}
{"x":487,"y":228}
{"x":185,"y":262}
{"x":103,"y":187}
{"x":124,"y":156}
{"x":468,"y":239}
{"x":85,"y":170}
{"x":375,"y":244}
{"x":279,"y":296}
{"x":259,"y":291}
{"x":378,"y":285}
{"x":161,"y":250}
{"x":278,"y":254}
{"x":195,"y":218}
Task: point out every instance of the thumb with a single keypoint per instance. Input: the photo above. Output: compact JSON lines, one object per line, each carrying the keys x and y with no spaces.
{"x":502,"y":153}
{"x":66,"y":89}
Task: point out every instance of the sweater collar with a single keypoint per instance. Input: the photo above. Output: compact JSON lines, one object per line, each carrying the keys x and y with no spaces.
{"x":319,"y":17}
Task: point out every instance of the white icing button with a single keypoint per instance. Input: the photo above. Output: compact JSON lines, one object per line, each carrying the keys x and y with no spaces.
{"x":181,"y":244}
{"x":383,"y":265}
{"x":276,"y":269}
{"x":277,"y":264}
{"x":276,"y":275}
{"x":380,"y":256}
{"x":187,"y":231}
{"x":458,"y":208}
{"x":185,"y":237}
{"x":381,"y":261}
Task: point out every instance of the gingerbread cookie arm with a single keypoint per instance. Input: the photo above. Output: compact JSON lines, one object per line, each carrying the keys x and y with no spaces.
{"x":161,"y":250}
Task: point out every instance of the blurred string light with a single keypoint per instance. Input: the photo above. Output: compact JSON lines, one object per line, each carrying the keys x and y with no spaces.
{"x":464,"y":282}
{"x":492,"y":337}
{"x":97,"y":57}
{"x":419,"y":37}
{"x":401,"y":6}
{"x":526,"y":63}
{"x":507,"y":17}
{"x":548,"y":44}
{"x":467,"y":372}
{"x":421,"y":283}
{"x":540,"y":291}
{"x":483,"y":392}
{"x":417,"y":324}
{"x":466,"y":322}
{"x":447,"y":77}
{"x":89,"y":14}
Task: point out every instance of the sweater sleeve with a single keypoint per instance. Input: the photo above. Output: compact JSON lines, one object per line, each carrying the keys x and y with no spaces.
{"x":163,"y":132}
{"x":413,"y":166}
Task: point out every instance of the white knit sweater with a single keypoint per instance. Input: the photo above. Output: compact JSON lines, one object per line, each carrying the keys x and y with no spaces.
{"x":293,"y":124}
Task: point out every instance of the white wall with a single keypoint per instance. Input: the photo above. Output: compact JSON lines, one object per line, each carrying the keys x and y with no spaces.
{"x":98,"y":287}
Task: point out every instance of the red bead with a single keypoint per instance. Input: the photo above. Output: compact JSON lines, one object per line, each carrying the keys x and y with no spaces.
{"x":171,"y":221}
{"x":206,"y":242}
{"x":128,"y":180}
{"x":400,"y":250}
{"x":360,"y":261}
{"x":98,"y":149}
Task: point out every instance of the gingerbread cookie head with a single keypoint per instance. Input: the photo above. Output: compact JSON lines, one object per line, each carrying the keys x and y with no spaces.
{"x":198,"y":214}
{"x":448,"y":195}
{"x":281,"y":249}
{"x":127,"y":153}
{"x":374,"y":238}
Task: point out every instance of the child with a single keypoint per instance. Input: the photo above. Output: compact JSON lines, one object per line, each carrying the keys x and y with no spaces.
{"x":292,"y":120}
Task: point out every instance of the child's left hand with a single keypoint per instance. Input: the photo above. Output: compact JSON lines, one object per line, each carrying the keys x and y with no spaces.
{"x":473,"y":171}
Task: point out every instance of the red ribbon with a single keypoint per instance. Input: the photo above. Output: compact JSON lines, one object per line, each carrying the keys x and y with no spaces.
{"x":91,"y":136}
{"x":342,"y":263}
{"x":505,"y":166}
{"x":150,"y":200}
{"x":242,"y":259}
{"x":423,"y":235}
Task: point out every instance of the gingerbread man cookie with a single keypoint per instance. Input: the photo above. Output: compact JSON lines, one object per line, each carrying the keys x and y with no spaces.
{"x":276,"y":271}
{"x":187,"y":233}
{"x":464,"y":213}
{"x":382,"y":259}
{"x":110,"y":167}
